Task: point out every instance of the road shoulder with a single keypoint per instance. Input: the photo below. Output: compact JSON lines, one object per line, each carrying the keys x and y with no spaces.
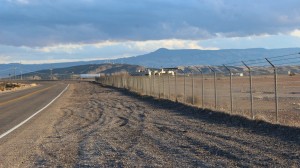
{"x":19,"y":148}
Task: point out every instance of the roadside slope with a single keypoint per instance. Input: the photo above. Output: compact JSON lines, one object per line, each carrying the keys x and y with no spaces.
{"x":94,"y":126}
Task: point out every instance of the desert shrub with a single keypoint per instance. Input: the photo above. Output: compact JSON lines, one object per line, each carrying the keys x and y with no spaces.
{"x":2,"y":87}
{"x":12,"y":85}
{"x":189,"y":99}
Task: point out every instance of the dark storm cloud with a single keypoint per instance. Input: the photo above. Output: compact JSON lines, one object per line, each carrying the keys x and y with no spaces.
{"x":49,"y":22}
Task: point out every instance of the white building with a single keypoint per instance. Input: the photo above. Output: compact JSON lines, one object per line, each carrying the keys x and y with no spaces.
{"x":237,"y":74}
{"x":89,"y":76}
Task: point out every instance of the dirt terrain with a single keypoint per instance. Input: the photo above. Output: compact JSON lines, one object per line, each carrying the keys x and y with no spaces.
{"x":95,"y":126}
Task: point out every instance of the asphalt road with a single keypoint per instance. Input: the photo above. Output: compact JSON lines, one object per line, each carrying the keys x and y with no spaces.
{"x":16,"y":107}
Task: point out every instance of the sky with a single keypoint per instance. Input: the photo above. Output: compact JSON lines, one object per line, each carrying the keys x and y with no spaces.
{"x":47,"y":31}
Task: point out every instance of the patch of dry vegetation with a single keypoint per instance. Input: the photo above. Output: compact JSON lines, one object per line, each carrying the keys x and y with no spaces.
{"x":6,"y":86}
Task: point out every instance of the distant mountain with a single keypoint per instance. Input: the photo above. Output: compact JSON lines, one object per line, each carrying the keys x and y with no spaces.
{"x":164,"y":58}
{"x":169,"y":58}
{"x":18,"y":69}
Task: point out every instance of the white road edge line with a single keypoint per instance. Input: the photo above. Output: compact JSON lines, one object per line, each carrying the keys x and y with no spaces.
{"x":19,"y":125}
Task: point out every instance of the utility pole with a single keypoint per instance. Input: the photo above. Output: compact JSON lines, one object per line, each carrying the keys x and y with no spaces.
{"x":21,"y":70}
{"x":50,"y":74}
{"x":15,"y":73}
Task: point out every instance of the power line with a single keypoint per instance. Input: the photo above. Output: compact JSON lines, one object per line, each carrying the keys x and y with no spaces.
{"x":282,"y":59}
{"x":260,"y":59}
{"x":284,"y":55}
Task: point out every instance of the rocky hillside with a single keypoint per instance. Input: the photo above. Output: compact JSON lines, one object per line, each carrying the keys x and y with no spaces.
{"x":75,"y":71}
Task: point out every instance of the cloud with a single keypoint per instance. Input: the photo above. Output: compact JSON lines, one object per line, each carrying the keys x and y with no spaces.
{"x":43,"y":61}
{"x":93,"y":51}
{"x":105,"y":44}
{"x":40,"y":23}
{"x":296,"y":33}
{"x":263,"y":41}
{"x":145,"y":46}
{"x":170,"y":44}
{"x":63,"y":48}
{"x":5,"y":59}
{"x":21,"y":2}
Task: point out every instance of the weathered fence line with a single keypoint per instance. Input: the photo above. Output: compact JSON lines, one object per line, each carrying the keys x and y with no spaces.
{"x":221,"y":91}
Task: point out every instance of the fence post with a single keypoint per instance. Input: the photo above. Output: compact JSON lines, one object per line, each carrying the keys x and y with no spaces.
{"x":121,"y":82}
{"x":129,"y":83}
{"x":169,"y":87}
{"x":202,"y":99}
{"x":138,"y":84}
{"x":146,"y":84}
{"x":251,"y":95}
{"x":125,"y":81}
{"x":193,"y":88}
{"x":275,"y":89}
{"x":231,"y":98}
{"x":150,"y":85}
{"x":142,"y":85}
{"x":116,"y":81}
{"x":193,"y":98}
{"x":153,"y":85}
{"x":184,"y":87}
{"x":158,"y":85}
{"x":148,"y":81}
{"x":163,"y":79}
{"x":176,"y":87}
{"x":215,"y":86}
{"x":134,"y":84}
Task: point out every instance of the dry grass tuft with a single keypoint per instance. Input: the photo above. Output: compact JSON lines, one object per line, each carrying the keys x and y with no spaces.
{"x":189,"y":99}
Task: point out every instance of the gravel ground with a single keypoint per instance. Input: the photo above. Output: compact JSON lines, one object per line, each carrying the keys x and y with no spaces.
{"x":95,"y":126}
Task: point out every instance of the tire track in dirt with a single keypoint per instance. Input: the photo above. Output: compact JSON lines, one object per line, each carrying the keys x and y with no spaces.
{"x":128,"y":118}
{"x":217,"y":142}
{"x":103,"y":127}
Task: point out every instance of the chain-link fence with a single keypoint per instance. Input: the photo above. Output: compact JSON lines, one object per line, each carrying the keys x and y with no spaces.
{"x":264,"y":92}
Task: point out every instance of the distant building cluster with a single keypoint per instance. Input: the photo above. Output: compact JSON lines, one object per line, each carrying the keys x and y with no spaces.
{"x":161,"y":72}
{"x":237,"y":74}
{"x":89,"y":76}
{"x":291,"y":73}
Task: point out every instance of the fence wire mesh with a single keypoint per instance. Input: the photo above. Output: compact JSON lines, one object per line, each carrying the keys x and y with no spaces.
{"x":257,"y":92}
